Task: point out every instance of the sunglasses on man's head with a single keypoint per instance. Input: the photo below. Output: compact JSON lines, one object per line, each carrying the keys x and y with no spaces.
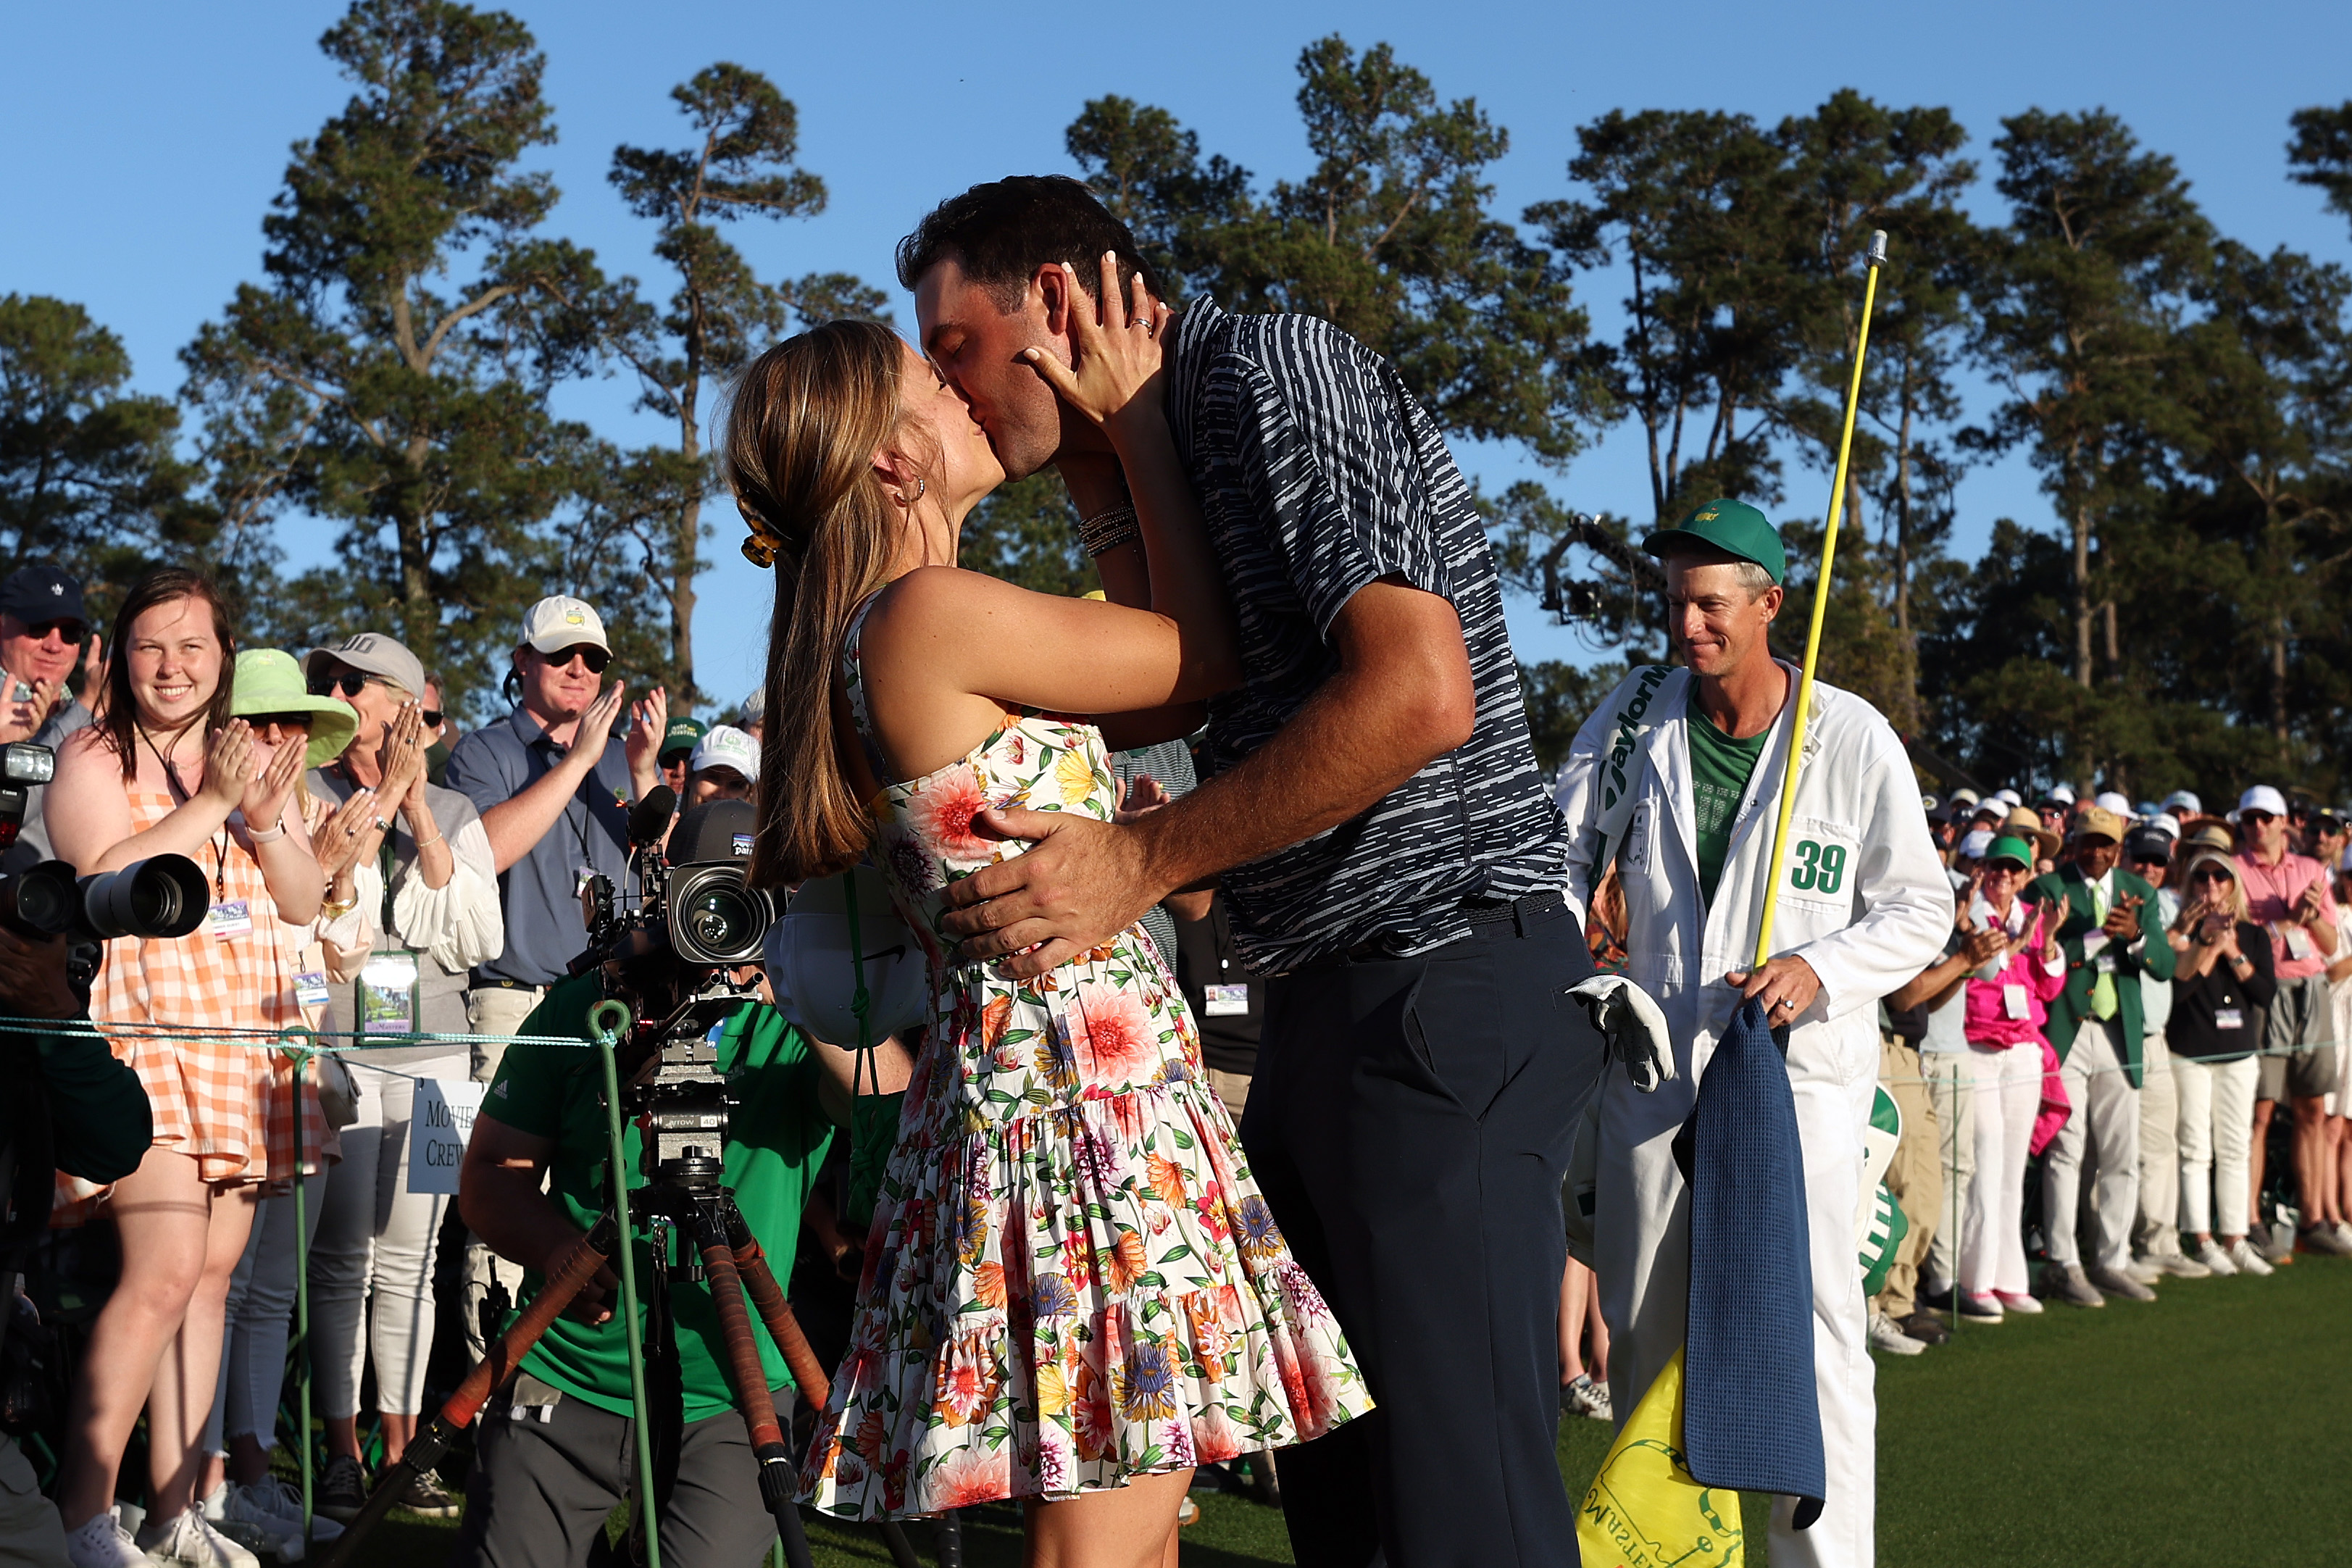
{"x":594,"y":658}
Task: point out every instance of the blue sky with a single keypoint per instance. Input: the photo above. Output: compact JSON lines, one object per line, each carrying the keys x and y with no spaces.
{"x":145,"y":141}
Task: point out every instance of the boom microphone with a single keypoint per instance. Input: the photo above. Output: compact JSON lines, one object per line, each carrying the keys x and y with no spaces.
{"x":651,"y":815}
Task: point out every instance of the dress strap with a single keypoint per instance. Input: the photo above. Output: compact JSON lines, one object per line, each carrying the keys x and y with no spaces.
{"x":853,"y":685}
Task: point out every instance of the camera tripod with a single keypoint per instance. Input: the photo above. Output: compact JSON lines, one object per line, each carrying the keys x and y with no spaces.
{"x":685,"y":1194}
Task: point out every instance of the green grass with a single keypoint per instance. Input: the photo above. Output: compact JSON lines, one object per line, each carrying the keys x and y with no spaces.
{"x":2214,"y":1426}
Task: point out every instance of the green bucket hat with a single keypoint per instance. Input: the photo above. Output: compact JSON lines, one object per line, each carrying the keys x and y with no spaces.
{"x":2010,"y":848}
{"x":269,"y":681}
{"x":1733,"y":527}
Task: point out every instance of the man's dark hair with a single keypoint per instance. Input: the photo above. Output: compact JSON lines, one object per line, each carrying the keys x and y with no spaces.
{"x":1001,"y":233}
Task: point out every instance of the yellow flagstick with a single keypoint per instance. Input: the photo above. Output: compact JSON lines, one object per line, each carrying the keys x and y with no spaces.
{"x":1821,"y":602}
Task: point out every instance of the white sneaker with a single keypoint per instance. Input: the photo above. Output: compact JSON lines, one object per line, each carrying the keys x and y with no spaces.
{"x":2144,"y":1270}
{"x":272,"y":1507}
{"x":102,"y":1542}
{"x":189,"y":1540}
{"x":1885,"y":1336}
{"x":2247,"y":1260}
{"x":2208,"y":1253}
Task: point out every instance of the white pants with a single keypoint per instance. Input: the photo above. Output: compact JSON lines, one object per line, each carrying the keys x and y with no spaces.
{"x":2105,"y":1120}
{"x":2008,"y":1093}
{"x":1642,"y":1253}
{"x":491,"y":1010}
{"x":2157,"y":1235}
{"x":372,"y":1265}
{"x":260,"y":1320}
{"x":2216,"y":1128}
{"x":1952,"y":1091}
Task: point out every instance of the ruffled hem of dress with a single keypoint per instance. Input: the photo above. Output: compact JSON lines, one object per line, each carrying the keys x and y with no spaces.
{"x":1144,"y":1403}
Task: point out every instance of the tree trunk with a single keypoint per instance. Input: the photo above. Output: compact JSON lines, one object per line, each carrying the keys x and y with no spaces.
{"x":2082,"y":596}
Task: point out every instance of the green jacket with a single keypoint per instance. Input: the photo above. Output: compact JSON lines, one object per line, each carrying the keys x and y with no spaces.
{"x":2152,"y":952}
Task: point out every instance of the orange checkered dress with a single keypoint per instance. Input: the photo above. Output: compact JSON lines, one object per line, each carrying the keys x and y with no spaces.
{"x":226,"y":1101}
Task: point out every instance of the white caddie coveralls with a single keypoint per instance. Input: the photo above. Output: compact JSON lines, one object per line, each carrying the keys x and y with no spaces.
{"x":1865,"y":901}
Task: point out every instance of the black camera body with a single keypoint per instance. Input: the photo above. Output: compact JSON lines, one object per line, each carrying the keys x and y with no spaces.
{"x":672,"y":957}
{"x":162,"y":896}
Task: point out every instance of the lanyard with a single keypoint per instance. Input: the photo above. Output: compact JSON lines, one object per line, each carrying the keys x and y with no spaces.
{"x":181,"y":797}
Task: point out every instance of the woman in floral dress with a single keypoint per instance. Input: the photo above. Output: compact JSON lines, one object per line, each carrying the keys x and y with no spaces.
{"x":1074,"y":1292}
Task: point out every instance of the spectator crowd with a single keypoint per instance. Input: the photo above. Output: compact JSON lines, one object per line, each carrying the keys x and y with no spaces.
{"x":2131,"y":1065}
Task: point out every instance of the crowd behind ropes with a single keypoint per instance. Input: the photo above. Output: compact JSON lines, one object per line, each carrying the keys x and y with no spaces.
{"x":371,"y":873}
{"x":2132,"y":1062}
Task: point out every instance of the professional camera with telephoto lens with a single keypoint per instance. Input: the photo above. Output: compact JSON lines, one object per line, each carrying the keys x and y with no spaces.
{"x":162,"y":896}
{"x":673,"y":960}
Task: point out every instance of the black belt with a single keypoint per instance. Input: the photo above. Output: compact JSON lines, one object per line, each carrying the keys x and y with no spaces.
{"x":481,"y":982}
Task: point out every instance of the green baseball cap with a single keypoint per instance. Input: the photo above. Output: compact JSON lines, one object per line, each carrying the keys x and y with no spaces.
{"x":2007,"y":848}
{"x":683,"y":735}
{"x":1733,"y":527}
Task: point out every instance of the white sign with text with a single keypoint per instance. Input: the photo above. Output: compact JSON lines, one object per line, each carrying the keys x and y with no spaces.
{"x":437,"y":1130}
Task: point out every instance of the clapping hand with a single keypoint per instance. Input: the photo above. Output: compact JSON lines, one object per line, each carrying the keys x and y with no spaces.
{"x":342,"y":835}
{"x":264,"y":800}
{"x":2307,"y":909}
{"x":228,"y":767}
{"x":597,"y":724}
{"x":1983,"y":946}
{"x":1119,"y":342}
{"x":399,"y":757}
{"x":2123,"y":920}
{"x":648,"y":723}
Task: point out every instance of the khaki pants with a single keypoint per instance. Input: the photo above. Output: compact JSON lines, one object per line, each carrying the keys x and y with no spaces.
{"x":2102,"y":1132}
{"x":2158,"y":1234}
{"x":1915,"y":1176}
{"x":1233,"y":1087}
{"x":491,"y":1010}
{"x":1951,"y":1088}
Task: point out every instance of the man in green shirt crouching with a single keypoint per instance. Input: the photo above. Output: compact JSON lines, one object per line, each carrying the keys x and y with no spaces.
{"x":555,"y":1456}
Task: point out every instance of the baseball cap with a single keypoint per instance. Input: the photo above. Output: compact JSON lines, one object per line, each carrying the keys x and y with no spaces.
{"x":2009,"y":796}
{"x":2059,"y":794}
{"x":682,"y":735}
{"x":557,"y":623}
{"x":2108,"y":800}
{"x":725,"y":746}
{"x":2098,"y":822}
{"x":2263,"y":798}
{"x":2210,"y":836}
{"x":756,"y":705}
{"x":1973,"y":847}
{"x":2007,"y":848}
{"x":39,"y":593}
{"x":372,"y":653}
{"x":1734,"y":527}
{"x":2184,"y":803}
{"x":1967,"y":795}
{"x":2148,"y":844}
{"x":2164,"y":821}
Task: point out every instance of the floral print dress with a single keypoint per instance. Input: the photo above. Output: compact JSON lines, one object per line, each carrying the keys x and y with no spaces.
{"x":1071,"y":1279}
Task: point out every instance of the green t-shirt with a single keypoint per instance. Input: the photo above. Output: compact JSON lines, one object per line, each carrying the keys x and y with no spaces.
{"x":777,"y":1137}
{"x":1720,"y":769}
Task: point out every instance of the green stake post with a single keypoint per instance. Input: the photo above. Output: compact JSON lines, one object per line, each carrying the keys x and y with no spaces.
{"x":608,"y":1022}
{"x":301,"y":1046}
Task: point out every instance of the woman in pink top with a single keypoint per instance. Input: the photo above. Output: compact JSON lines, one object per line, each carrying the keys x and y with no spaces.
{"x":2008,"y":1004}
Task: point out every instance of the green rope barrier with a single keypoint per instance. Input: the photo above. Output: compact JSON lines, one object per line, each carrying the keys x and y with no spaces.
{"x":608,"y":1022}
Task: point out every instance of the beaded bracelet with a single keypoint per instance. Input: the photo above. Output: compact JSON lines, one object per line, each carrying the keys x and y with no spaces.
{"x":1107,"y":531}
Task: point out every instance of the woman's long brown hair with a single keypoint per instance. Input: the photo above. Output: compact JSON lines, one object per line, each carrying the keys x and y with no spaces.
{"x":803,"y":426}
{"x":161,"y":587}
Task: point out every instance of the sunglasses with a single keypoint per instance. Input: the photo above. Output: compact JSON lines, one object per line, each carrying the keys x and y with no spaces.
{"x":589,"y":654}
{"x":283,"y":720}
{"x":2255,"y":818}
{"x":2211,"y":876}
{"x":347,"y":686}
{"x":67,"y":631}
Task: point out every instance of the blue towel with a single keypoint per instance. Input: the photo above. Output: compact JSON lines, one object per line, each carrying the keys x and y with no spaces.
{"x":1751,"y":1416}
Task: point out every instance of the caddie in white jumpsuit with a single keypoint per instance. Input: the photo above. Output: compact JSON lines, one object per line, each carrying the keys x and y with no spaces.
{"x":1680,"y":773}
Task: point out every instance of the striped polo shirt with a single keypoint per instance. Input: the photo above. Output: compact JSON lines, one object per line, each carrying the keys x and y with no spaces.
{"x":1318,"y":472}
